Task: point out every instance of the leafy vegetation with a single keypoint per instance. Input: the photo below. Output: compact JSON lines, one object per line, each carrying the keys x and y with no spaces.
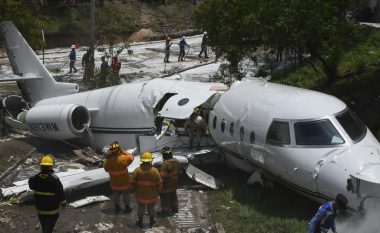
{"x":319,"y":28}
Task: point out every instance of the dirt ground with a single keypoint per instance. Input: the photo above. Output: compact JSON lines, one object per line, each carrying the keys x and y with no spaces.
{"x":96,"y":217}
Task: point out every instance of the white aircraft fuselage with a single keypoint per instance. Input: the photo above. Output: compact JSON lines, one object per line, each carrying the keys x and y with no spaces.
{"x":307,"y":140}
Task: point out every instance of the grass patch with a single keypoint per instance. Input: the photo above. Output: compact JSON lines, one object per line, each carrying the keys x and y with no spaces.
{"x":242,"y":208}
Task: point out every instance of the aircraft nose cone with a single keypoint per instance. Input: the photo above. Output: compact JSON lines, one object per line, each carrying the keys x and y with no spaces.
{"x":362,"y":162}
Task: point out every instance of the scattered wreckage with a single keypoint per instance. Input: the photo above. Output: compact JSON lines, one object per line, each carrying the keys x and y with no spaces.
{"x":77,"y":179}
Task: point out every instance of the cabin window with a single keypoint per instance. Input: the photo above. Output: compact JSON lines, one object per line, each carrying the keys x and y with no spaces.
{"x":352,"y":125}
{"x":320,"y":132}
{"x":242,"y":133}
{"x":252,"y":137}
{"x":183,"y":101}
{"x":214,"y":122}
{"x":232,"y":129}
{"x":279,"y":133}
{"x":223,"y":125}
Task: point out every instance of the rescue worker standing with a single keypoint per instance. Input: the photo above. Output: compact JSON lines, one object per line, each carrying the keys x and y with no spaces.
{"x":48,"y":194}
{"x":170,"y":171}
{"x":204,"y":45}
{"x":324,"y":219}
{"x":88,"y":66}
{"x":116,"y":164}
{"x":116,"y":66}
{"x":182,"y":45}
{"x":168,"y":44}
{"x":73,"y":58}
{"x":104,"y":67}
{"x":195,"y":125}
{"x":147,"y":183}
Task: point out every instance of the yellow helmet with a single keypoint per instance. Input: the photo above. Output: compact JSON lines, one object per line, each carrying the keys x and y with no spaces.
{"x":114,"y":146}
{"x":47,"y":160}
{"x":146,"y":157}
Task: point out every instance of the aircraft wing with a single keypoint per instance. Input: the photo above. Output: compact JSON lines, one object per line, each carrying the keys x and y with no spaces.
{"x":13,"y":77}
{"x":80,"y":179}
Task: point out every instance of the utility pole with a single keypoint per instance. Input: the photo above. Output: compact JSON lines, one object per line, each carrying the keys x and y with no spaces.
{"x":89,"y":60}
{"x":92,"y":28}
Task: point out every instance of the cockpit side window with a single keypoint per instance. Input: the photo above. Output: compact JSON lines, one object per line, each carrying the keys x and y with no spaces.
{"x":321,"y":132}
{"x":352,"y":125}
{"x":278,"y":133}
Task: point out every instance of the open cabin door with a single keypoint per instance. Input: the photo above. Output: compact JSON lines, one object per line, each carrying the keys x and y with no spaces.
{"x":181,"y":106}
{"x":178,"y":108}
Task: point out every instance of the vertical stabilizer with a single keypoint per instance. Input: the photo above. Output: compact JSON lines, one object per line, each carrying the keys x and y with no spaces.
{"x":26,"y":64}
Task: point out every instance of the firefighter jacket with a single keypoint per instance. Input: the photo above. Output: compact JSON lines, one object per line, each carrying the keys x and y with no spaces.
{"x":48,"y":192}
{"x":147,"y":183}
{"x":324,"y":219}
{"x":170,"y":171}
{"x":117,"y":167}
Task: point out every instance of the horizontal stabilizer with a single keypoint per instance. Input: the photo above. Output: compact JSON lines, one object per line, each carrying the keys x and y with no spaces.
{"x":13,"y":77}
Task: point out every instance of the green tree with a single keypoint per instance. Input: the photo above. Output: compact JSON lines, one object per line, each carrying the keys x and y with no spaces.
{"x":24,"y":17}
{"x":111,"y":21}
{"x":316,"y":27}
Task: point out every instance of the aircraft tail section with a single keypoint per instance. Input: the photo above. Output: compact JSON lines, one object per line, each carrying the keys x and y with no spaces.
{"x":34,"y":80}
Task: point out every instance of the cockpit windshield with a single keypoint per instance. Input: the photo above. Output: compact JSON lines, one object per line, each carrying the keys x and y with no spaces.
{"x":321,"y":132}
{"x":352,"y":125}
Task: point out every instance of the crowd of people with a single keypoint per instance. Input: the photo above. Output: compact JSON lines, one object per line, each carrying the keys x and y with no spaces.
{"x":109,"y":73}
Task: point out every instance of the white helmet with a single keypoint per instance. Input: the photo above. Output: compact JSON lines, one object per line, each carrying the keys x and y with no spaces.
{"x":205,"y":32}
{"x":73,"y":46}
{"x":183,"y":37}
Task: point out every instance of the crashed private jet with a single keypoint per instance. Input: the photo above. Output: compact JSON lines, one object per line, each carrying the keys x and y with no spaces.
{"x":306,"y":140}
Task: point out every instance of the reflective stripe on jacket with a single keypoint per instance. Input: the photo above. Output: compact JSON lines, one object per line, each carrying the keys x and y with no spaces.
{"x":169,"y":171}
{"x":147,"y":183}
{"x":48,"y":192}
{"x":117,"y":167}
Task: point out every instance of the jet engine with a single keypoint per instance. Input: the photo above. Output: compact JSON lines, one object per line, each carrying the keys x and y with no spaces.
{"x":64,"y":121}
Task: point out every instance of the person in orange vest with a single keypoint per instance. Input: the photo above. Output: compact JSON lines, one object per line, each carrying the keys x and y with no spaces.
{"x":115,"y":65}
{"x":48,"y":194}
{"x":170,"y":171}
{"x":146,"y":183}
{"x":116,"y":164}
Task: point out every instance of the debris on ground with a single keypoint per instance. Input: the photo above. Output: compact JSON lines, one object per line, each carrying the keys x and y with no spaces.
{"x":104,"y":226}
{"x":203,"y":178}
{"x":87,"y":155}
{"x":89,"y":200}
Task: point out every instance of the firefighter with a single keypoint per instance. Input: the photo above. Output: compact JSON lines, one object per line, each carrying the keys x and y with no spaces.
{"x":169,"y":171}
{"x":147,"y":183}
{"x":196,"y":125}
{"x":324,"y":219}
{"x":116,"y":164}
{"x":115,"y":66}
{"x":48,"y":194}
